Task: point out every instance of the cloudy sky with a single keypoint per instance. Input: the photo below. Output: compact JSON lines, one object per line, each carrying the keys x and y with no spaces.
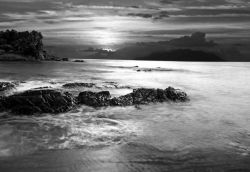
{"x":114,"y":22}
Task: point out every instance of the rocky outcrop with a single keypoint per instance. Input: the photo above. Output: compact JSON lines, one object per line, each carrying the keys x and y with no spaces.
{"x":77,"y":84}
{"x":137,"y":97}
{"x":38,"y":101}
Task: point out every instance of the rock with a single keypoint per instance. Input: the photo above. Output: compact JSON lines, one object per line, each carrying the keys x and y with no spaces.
{"x":126,"y":100}
{"x":94,"y":99}
{"x":137,"y":97}
{"x":77,"y":84}
{"x":39,"y":101}
{"x":144,"y":70}
{"x":79,"y":61}
{"x":5,"y":86}
{"x":175,"y":94}
{"x":144,"y":96}
{"x":65,"y":59}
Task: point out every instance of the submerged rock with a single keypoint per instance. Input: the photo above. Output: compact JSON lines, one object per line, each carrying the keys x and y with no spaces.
{"x":38,"y":101}
{"x":77,"y":84}
{"x":137,"y":97}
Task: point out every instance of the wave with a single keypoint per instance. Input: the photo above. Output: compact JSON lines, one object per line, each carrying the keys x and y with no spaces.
{"x":85,"y":128}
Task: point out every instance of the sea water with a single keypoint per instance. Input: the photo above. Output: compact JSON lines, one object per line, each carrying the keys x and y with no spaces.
{"x":210,"y":132}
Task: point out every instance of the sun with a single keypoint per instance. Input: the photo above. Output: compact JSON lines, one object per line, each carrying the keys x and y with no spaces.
{"x":105,"y":37}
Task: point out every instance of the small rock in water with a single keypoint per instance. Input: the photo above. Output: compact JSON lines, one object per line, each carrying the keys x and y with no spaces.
{"x":79,"y":61}
{"x":77,"y":84}
{"x":46,"y":87}
{"x":65,"y":59}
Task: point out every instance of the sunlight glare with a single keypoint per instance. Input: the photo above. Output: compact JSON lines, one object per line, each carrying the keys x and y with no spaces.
{"x":105,"y":37}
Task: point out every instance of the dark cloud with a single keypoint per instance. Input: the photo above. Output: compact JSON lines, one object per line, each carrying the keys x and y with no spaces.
{"x":157,"y":15}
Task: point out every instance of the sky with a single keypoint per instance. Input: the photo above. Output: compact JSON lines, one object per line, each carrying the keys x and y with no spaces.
{"x":110,"y":23}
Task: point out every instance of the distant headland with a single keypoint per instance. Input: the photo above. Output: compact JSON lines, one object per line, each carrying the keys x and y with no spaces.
{"x":28,"y":46}
{"x":24,"y":46}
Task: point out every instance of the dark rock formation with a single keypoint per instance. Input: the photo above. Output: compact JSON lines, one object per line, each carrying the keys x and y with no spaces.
{"x":65,"y":59}
{"x":38,"y":101}
{"x":145,"y":96}
{"x":77,"y":84}
{"x":95,"y":99}
{"x":5,"y":86}
{"x":182,"y":55}
{"x":137,"y":97}
{"x":79,"y":61}
{"x":52,"y":101}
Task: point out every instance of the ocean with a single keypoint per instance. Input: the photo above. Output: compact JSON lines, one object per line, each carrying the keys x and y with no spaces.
{"x":211,"y":132}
